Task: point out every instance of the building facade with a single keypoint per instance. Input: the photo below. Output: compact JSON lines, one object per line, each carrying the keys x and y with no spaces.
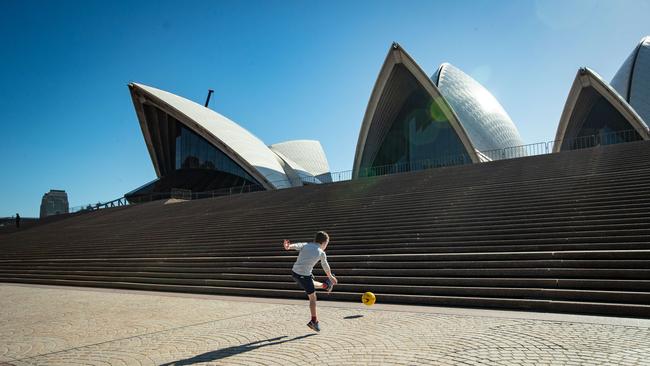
{"x":414,"y":122}
{"x":55,"y":202}
{"x":597,"y":113}
{"x":195,"y":148}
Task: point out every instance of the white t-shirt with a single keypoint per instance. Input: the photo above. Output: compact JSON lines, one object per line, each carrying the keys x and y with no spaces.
{"x":310,"y":254}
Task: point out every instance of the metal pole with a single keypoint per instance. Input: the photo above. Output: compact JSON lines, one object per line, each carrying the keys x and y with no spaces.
{"x":210,"y":91}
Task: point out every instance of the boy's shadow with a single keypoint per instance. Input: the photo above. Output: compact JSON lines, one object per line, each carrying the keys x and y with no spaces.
{"x":234,"y":350}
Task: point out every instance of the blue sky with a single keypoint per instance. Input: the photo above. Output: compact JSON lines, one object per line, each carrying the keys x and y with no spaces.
{"x":283,"y":70}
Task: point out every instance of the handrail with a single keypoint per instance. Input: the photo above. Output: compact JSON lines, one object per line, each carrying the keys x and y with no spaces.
{"x":122,"y":201}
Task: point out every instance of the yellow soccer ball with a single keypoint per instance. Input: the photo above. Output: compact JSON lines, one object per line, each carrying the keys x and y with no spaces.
{"x":368,"y":298}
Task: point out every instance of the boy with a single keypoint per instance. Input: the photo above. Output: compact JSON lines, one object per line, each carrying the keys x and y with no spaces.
{"x":310,"y":254}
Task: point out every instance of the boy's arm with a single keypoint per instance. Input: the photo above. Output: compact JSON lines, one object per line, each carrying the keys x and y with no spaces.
{"x":288,"y":246}
{"x":326,"y":267}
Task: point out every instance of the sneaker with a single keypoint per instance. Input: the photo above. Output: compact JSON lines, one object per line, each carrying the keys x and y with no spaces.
{"x":314,"y":326}
{"x":329,"y":285}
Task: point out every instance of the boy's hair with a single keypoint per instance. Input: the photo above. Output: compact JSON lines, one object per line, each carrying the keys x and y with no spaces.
{"x":321,"y":237}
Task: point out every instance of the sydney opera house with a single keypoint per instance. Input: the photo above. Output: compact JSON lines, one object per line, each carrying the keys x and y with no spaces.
{"x":417,"y":121}
{"x":600,"y":113}
{"x":197,"y":149}
{"x":412,"y":121}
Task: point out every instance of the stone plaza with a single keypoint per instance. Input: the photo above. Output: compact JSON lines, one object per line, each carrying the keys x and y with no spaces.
{"x":48,"y":325}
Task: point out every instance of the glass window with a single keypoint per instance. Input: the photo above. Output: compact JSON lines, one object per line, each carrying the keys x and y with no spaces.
{"x":603,"y":125}
{"x":185,"y":148}
{"x":178,"y":150}
{"x":194,"y":152}
{"x":420,"y":137}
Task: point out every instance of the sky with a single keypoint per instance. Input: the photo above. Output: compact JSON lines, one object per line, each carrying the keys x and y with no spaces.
{"x":283,"y":70}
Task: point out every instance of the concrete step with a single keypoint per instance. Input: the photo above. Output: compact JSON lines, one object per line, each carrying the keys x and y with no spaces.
{"x":563,"y":232}
{"x":580,"y":307}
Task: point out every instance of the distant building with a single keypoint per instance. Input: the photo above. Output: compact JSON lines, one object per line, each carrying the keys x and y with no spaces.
{"x":55,"y":202}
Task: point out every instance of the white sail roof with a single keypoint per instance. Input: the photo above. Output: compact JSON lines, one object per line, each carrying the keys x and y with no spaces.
{"x":632,"y":80}
{"x":576,"y":109}
{"x":390,"y":90}
{"x":482,"y":116}
{"x":307,"y":154}
{"x":239,"y":144}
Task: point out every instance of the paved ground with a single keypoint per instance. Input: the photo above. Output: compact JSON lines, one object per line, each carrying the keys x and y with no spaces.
{"x":42,"y":325}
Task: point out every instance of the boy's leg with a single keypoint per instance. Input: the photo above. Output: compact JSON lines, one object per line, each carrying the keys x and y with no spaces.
{"x":312,"y":305}
{"x":313,"y":323}
{"x":307,"y":284}
{"x":327,"y":285}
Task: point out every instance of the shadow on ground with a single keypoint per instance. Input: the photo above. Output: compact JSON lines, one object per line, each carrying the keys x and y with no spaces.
{"x":234,"y":350}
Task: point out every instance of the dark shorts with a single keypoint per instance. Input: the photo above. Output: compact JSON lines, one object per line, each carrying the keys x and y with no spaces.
{"x":305,"y":282}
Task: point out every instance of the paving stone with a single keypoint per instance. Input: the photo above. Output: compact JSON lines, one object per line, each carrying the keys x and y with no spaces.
{"x":61,"y":326}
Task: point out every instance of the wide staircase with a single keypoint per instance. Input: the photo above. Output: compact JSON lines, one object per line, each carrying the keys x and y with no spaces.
{"x":566,"y":232}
